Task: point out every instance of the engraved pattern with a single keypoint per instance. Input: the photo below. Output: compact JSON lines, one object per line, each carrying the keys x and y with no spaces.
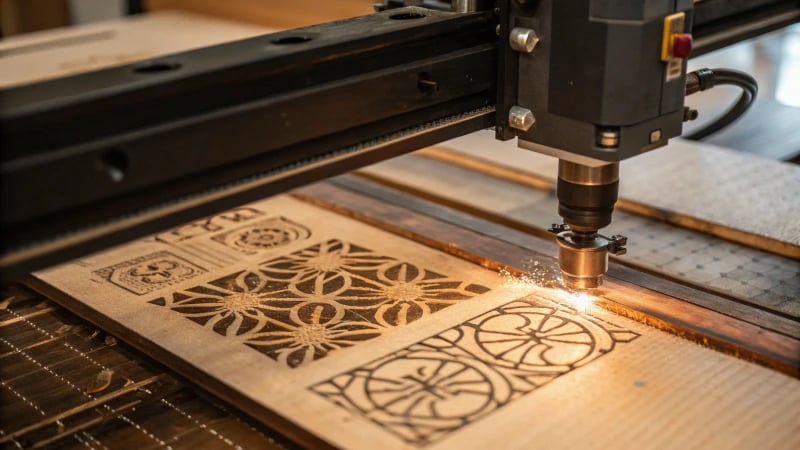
{"x":151,"y":272}
{"x":208,"y":225}
{"x":299,"y":307}
{"x":443,"y":383}
{"x":263,"y":235}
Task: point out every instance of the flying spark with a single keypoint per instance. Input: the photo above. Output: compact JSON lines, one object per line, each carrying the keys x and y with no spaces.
{"x":581,"y":301}
{"x":547,"y":277}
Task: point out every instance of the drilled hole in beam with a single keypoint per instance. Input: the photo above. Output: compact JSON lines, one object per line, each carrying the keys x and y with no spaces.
{"x":156,"y":66}
{"x":288,"y":40}
{"x":426,"y":84}
{"x":115,"y":164}
{"x":408,"y":16}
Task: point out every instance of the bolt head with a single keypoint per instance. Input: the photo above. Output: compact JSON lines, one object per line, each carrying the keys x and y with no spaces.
{"x":521,"y":118}
{"x":608,"y":139}
{"x":655,"y":136}
{"x":523,"y":40}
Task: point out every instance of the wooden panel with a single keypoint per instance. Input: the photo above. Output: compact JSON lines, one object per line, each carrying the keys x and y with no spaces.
{"x":528,"y":203}
{"x":275,"y":13}
{"x":678,"y":309}
{"x":334,"y":331}
{"x":736,"y":196}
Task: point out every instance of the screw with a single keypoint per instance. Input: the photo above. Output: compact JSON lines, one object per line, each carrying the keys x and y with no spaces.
{"x":521,"y":118}
{"x":619,"y":239}
{"x":618,"y":251}
{"x":689,"y":114}
{"x":616,"y":246}
{"x":523,"y":40}
{"x":609,"y":139}
{"x":655,"y":136}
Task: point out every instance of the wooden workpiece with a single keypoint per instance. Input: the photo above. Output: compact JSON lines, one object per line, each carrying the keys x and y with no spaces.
{"x":337,"y":332}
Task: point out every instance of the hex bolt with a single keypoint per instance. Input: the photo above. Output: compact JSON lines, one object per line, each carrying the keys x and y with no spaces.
{"x":521,"y":118}
{"x":523,"y":40}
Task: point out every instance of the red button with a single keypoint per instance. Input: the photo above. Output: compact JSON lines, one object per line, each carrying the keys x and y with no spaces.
{"x":682,"y":45}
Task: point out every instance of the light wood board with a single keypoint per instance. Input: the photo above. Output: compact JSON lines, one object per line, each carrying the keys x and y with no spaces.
{"x":741,"y":197}
{"x":340,"y":333}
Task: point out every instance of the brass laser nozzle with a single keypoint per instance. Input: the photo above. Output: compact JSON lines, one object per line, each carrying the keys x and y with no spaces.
{"x":583,"y":257}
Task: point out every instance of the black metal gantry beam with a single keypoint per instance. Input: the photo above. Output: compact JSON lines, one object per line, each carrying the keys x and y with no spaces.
{"x":100,"y":158}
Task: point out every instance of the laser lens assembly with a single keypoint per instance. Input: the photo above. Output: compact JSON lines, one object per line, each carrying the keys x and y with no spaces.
{"x":586,"y":196}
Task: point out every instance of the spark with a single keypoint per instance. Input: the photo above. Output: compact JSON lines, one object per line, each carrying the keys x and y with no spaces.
{"x":545,"y":277}
{"x":582,"y":301}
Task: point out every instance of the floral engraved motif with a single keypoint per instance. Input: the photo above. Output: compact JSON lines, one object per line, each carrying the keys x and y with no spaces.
{"x":434,"y":387}
{"x":299,"y":307}
{"x":263,"y":235}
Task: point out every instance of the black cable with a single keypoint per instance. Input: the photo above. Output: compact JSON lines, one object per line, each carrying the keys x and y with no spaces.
{"x":703,"y":79}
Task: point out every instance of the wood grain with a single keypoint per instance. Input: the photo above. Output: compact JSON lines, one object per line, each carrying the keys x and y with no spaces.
{"x":444,"y":380}
{"x":748,"y":276}
{"x":547,"y":249}
{"x":708,"y":322}
{"x":736,"y":196}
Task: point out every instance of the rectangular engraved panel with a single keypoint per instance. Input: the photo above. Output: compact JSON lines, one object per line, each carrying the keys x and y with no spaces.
{"x":434,"y":387}
{"x":299,"y":307}
{"x":151,"y":272}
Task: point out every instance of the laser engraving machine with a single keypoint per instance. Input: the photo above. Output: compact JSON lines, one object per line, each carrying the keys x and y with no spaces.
{"x":96,"y":159}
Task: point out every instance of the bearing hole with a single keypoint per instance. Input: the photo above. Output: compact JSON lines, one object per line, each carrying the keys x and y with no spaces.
{"x":156,"y":67}
{"x":425,"y":83}
{"x":407,"y":16}
{"x":115,"y":164}
{"x":288,"y":40}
